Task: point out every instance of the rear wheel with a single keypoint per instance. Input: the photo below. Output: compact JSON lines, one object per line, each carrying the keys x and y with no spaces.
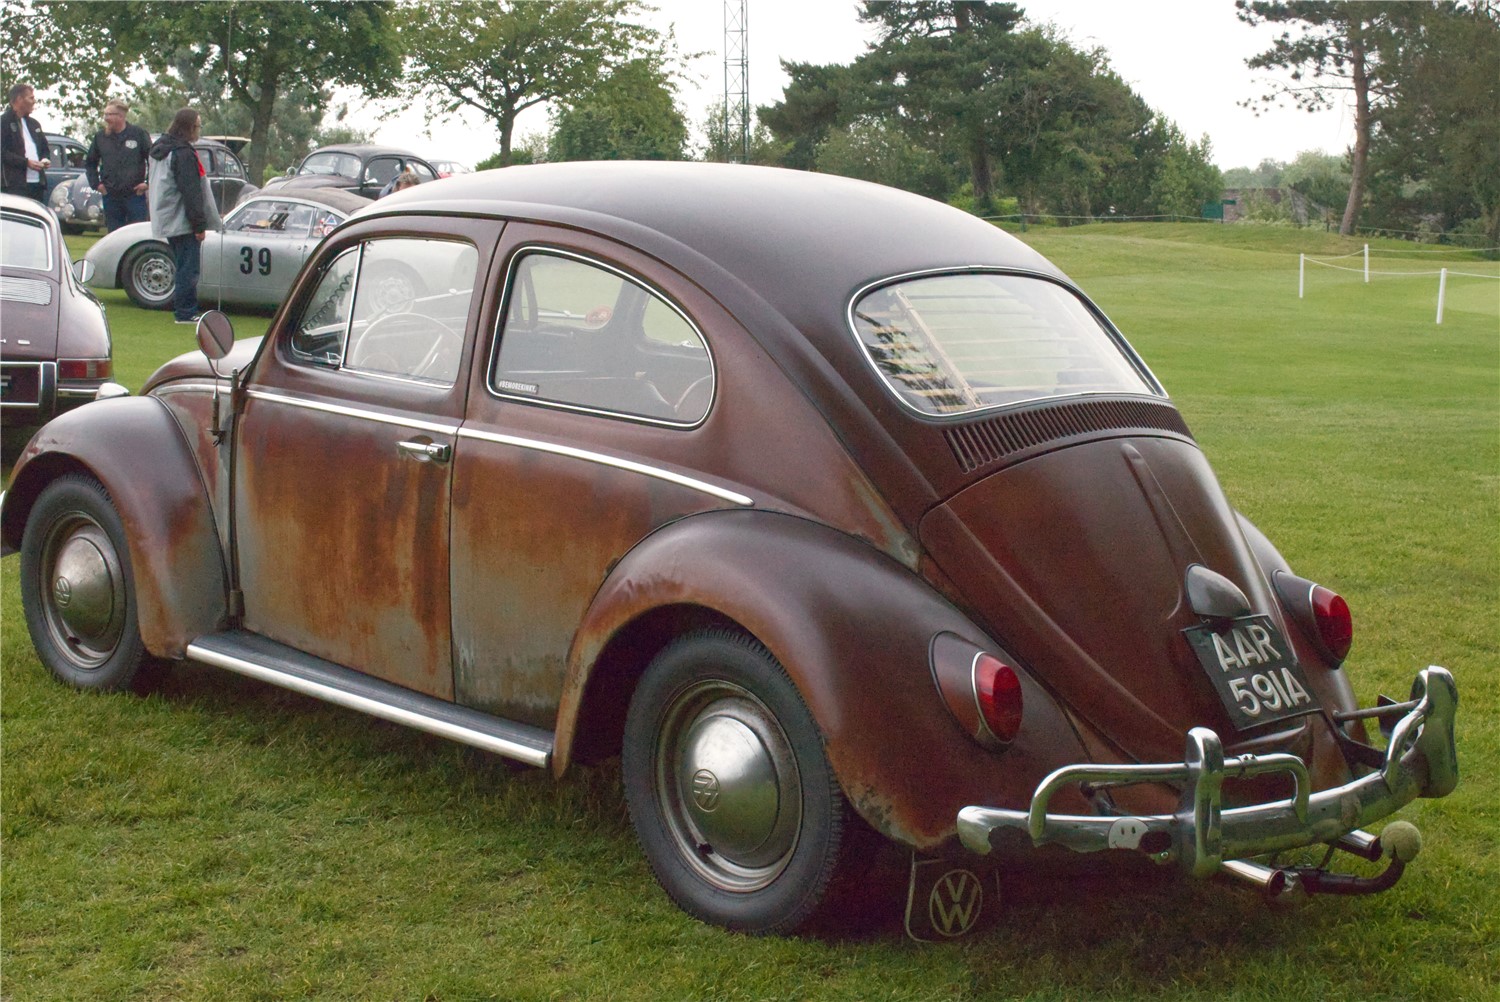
{"x":149,"y":276}
{"x":77,"y":589}
{"x":731,"y":796}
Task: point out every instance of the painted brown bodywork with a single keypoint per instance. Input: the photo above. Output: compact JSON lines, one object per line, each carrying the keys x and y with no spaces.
{"x":1057,"y":532}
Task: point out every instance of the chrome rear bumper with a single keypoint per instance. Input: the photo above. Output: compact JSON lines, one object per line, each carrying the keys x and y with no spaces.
{"x":1420,"y":761}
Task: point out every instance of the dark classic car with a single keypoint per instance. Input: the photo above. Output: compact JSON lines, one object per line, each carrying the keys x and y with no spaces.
{"x":66,"y":154}
{"x":251,"y":262}
{"x":55,"y":349}
{"x":79,"y":207}
{"x":843,"y":517}
{"x":358,"y":167}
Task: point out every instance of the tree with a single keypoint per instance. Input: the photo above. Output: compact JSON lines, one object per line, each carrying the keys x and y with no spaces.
{"x":501,"y":57}
{"x":1440,"y":127}
{"x":633,"y":115}
{"x":1338,"y":47}
{"x":874,"y":149}
{"x":943,"y":61}
{"x":716,"y":144}
{"x":1322,"y":177}
{"x":1187,"y":177}
{"x":259,"y":49}
{"x":817,"y":100}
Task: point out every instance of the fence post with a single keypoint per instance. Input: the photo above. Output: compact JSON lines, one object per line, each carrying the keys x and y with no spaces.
{"x":1301,"y":274}
{"x":1367,"y":264}
{"x":1442,"y":291}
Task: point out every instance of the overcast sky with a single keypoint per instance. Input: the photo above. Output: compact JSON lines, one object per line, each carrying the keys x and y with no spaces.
{"x":1185,"y":57}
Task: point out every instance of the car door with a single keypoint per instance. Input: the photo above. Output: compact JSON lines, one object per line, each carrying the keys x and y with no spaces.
{"x":584,"y":432}
{"x":264,"y":244}
{"x":379,"y":172}
{"x":346,"y":440}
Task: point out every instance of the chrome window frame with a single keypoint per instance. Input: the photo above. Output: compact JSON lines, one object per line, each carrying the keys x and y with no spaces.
{"x":496,"y":341}
{"x":1157,"y":391}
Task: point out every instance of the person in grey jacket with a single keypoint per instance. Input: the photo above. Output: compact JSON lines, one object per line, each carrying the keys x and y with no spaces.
{"x":182,"y":207}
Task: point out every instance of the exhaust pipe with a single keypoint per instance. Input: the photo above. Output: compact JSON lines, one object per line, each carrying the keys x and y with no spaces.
{"x":1400,"y":842}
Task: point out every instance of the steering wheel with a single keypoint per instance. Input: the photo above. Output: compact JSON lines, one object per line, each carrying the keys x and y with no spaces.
{"x":388,"y":338}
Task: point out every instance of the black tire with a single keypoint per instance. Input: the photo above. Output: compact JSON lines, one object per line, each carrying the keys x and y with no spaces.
{"x":755,"y":847}
{"x":149,"y":274}
{"x":77,"y":589}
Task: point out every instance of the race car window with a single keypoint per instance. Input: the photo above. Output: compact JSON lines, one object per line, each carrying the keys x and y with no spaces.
{"x":269,"y":217}
{"x":952,"y":344}
{"x":585,"y":336}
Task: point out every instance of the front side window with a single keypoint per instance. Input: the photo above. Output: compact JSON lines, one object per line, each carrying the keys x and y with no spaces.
{"x":584,"y":336}
{"x":952,"y":344}
{"x":395,"y":307}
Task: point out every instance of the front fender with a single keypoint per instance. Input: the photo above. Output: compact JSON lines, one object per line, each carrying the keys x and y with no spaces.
{"x":134,"y":447}
{"x":853,"y":628}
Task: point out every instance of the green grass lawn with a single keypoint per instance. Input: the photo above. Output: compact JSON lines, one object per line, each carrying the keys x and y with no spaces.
{"x":224,"y":839}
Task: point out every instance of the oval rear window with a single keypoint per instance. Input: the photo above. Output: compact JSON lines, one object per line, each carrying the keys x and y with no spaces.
{"x":952,"y":344}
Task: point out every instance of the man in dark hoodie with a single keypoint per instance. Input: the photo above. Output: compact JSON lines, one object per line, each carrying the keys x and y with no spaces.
{"x":116,"y":165}
{"x":182,"y":207}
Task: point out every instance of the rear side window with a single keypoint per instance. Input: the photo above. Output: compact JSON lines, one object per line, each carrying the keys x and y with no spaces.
{"x":952,"y":344}
{"x":24,"y":243}
{"x":585,"y":336}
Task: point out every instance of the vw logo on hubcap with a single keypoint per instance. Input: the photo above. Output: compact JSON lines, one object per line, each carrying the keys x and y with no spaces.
{"x":705,"y":790}
{"x":62,"y":592}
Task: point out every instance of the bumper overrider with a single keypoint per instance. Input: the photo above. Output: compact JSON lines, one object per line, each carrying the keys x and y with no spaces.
{"x":1420,"y":761}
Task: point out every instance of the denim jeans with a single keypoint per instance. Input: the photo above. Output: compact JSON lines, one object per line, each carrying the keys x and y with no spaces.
{"x":122,"y":209}
{"x":185,"y":251}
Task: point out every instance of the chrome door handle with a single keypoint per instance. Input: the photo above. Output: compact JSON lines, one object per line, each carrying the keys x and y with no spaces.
{"x":425,"y":452}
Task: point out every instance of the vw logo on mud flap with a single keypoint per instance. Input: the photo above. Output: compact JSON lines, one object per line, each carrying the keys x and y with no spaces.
{"x":705,"y":790}
{"x":955,"y":902}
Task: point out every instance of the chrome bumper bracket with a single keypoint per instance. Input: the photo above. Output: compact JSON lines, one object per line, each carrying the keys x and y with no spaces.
{"x":1420,"y":761}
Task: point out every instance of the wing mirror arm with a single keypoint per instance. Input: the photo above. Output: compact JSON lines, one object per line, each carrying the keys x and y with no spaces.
{"x":215,"y":339}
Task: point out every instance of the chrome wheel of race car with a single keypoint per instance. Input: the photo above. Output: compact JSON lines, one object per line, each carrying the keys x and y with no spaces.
{"x":149,"y":276}
{"x":730,"y":794}
{"x":76,"y":587}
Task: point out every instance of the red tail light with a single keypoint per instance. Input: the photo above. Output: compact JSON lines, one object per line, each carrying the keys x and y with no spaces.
{"x":998,"y":692}
{"x":1335,"y":624}
{"x":84,"y":368}
{"x":1321,"y":613}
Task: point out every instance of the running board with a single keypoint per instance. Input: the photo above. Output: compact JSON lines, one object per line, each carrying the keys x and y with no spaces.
{"x":256,"y":657}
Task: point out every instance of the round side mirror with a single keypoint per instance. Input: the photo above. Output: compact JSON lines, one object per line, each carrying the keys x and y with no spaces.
{"x":215,"y":335}
{"x":83,"y":271}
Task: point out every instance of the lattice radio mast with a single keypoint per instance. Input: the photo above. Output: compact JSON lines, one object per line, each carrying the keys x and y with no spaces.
{"x":736,"y":81}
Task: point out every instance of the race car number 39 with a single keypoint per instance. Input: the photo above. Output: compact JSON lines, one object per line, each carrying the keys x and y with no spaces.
{"x":1253,"y":670}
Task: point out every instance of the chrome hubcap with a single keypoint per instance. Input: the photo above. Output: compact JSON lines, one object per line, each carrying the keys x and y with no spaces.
{"x":85,"y":587}
{"x":729,"y":786}
{"x":154,"y":275}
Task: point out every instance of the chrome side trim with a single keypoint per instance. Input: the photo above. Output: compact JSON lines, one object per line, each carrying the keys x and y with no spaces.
{"x":723,"y":493}
{"x":188,"y":386}
{"x":1420,"y":761}
{"x":355,"y":412}
{"x":375,"y":708}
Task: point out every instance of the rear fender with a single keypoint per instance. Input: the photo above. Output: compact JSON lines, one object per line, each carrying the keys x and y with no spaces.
{"x":854,"y":630}
{"x":134,"y":447}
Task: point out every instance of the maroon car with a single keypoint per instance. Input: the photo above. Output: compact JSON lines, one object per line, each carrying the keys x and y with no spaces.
{"x":55,"y":348}
{"x":844,"y":518}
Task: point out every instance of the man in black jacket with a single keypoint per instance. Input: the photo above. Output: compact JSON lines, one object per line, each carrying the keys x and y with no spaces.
{"x":116,"y":165}
{"x":23,"y":147}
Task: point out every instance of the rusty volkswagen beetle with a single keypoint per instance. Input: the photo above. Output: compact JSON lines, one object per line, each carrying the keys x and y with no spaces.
{"x":834,"y":511}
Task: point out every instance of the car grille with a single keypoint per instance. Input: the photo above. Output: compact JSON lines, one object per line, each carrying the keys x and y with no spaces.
{"x":25,"y":290}
{"x":1007,"y":436}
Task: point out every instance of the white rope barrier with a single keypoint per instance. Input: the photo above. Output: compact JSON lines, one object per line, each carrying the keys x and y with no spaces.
{"x":1442,"y":273}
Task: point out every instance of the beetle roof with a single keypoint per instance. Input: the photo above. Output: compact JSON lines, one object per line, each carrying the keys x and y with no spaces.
{"x":787,"y":234}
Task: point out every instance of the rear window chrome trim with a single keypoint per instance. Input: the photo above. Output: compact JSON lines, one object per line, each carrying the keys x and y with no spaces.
{"x":1158,"y":391}
{"x":603,"y":459}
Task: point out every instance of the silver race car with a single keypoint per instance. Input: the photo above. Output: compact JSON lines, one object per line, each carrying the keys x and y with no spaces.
{"x":251,"y":263}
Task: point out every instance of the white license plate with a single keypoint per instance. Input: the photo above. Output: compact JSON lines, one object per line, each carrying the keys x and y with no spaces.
{"x":1253,"y":670}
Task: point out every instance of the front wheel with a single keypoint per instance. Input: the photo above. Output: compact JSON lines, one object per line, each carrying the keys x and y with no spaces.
{"x":149,"y":276}
{"x":76,"y":587}
{"x":731,"y":796}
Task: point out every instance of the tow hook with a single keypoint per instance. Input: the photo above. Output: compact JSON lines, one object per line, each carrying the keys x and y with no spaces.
{"x":1400,"y":842}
